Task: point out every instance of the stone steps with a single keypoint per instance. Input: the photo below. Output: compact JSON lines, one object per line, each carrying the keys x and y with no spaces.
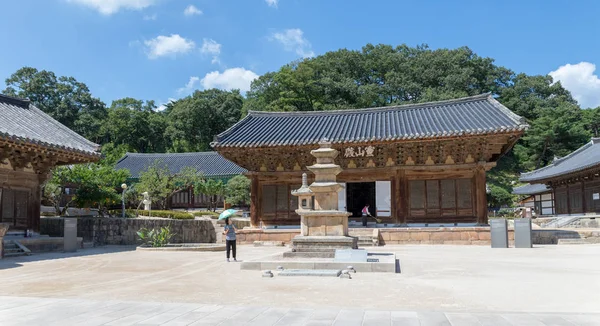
{"x":12,"y":249}
{"x":579,"y":241}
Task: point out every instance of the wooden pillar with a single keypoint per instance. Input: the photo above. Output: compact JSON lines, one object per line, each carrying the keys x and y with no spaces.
{"x":400,"y":193}
{"x":255,"y":199}
{"x":191,"y":201}
{"x":480,"y":194}
{"x":568,"y":199}
{"x":583,"y":201}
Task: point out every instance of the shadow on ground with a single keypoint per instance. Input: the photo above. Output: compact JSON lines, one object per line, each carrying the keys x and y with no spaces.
{"x":12,"y":262}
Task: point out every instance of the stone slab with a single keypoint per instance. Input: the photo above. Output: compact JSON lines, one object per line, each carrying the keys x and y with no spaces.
{"x":70,"y":235}
{"x":350,"y":255}
{"x":311,"y":272}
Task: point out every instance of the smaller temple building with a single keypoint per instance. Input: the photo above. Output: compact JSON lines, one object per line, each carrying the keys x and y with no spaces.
{"x":31,"y":145}
{"x":574,"y":180}
{"x":538,"y":197}
{"x":210,"y":164}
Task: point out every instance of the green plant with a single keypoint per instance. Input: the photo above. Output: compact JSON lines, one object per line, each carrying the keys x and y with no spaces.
{"x":156,"y":237}
{"x":237,"y":190}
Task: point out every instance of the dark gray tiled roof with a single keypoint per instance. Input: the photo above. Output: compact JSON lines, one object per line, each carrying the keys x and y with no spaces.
{"x":480,"y":114}
{"x":583,"y":158}
{"x":531,"y":189}
{"x":211,"y":164}
{"x":22,"y":121}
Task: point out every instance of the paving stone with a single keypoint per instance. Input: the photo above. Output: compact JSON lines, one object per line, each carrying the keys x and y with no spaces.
{"x":462,"y":319}
{"x":553,"y":320}
{"x":433,"y":319}
{"x":492,"y":320}
{"x":522,"y":319}
{"x":295,"y":317}
{"x":269,"y":317}
{"x":186,"y":319}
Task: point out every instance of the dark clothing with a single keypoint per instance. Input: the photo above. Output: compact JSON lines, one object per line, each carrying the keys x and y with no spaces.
{"x":230,"y":246}
{"x":364,"y":219}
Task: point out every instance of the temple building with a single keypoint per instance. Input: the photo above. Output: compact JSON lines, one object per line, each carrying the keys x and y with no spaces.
{"x":31,"y":144}
{"x":412,"y":164}
{"x":210,"y":164}
{"x":538,"y":197}
{"x":574,"y":180}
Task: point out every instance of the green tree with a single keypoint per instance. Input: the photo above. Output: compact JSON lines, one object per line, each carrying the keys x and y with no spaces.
{"x":555,"y":133}
{"x":237,"y":190}
{"x":136,"y":125}
{"x":63,"y":98}
{"x":161,"y":184}
{"x":211,"y":188}
{"x":195,"y":120}
{"x":95,"y":186}
{"x":591,"y":121}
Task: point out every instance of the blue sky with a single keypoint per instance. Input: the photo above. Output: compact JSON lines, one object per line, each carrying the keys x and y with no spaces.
{"x":163,"y":49}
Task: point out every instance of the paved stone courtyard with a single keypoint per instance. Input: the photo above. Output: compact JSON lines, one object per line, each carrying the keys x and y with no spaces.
{"x":439,"y":285}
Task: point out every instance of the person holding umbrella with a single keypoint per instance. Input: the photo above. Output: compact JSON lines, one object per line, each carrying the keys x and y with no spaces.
{"x":229,"y":232}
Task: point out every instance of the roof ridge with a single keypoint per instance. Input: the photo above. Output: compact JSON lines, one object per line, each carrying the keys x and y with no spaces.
{"x":167,"y":154}
{"x":23,"y":102}
{"x":378,"y":108}
{"x":559,"y":161}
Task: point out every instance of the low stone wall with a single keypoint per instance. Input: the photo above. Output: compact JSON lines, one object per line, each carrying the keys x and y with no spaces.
{"x":37,"y":245}
{"x":123,"y":231}
{"x":428,"y":236}
{"x":551,"y":236}
{"x":444,"y":235}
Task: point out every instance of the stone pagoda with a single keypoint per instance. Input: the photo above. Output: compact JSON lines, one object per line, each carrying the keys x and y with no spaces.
{"x":323,"y":227}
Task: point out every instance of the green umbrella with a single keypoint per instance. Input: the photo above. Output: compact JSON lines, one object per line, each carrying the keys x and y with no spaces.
{"x":227,"y":213}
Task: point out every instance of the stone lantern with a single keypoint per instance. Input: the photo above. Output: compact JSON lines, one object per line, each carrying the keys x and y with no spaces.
{"x":305,"y":196}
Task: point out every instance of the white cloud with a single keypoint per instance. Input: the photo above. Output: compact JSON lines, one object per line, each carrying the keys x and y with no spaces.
{"x":272,"y":3}
{"x":109,"y":7}
{"x":294,"y":40}
{"x":168,"y":46}
{"x":234,"y":78}
{"x":581,"y":81}
{"x":211,"y":47}
{"x":163,"y":106}
{"x":190,"y":86}
{"x":191,"y":10}
{"x":150,"y":17}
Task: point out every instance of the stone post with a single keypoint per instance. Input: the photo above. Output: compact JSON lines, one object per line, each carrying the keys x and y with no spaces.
{"x":3,"y":229}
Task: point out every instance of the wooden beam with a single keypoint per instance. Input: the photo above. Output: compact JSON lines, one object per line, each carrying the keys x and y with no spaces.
{"x":401,"y":197}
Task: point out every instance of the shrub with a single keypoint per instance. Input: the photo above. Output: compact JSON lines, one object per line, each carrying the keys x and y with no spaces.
{"x":207,"y":213}
{"x":166,"y":214}
{"x":156,"y":237}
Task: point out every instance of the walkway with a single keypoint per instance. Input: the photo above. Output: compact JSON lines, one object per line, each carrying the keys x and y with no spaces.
{"x":19,"y":311}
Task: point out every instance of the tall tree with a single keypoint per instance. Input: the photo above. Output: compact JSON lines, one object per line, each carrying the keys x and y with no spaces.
{"x":195,"y":120}
{"x":63,"y":98}
{"x":135,"y":124}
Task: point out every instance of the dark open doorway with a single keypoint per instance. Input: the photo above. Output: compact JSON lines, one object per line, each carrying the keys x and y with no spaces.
{"x":358,"y":195}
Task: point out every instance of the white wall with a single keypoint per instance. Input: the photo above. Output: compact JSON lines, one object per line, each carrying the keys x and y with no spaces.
{"x":383,"y":196}
{"x":342,"y":198}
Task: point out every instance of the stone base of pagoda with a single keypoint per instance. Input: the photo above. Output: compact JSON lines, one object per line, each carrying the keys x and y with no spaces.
{"x":319,"y":246}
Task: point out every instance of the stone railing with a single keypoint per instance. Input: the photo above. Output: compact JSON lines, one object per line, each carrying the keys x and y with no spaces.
{"x":120,"y":231}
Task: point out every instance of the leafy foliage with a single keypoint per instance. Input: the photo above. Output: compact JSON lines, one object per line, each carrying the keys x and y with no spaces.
{"x":156,"y":237}
{"x":176,"y":215}
{"x":161,"y":184}
{"x":237,"y":190}
{"x":211,"y":188}
{"x":95,"y":186}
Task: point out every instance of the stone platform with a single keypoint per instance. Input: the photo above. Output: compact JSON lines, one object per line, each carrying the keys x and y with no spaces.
{"x":387,"y":263}
{"x":43,"y":243}
{"x":319,"y":246}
